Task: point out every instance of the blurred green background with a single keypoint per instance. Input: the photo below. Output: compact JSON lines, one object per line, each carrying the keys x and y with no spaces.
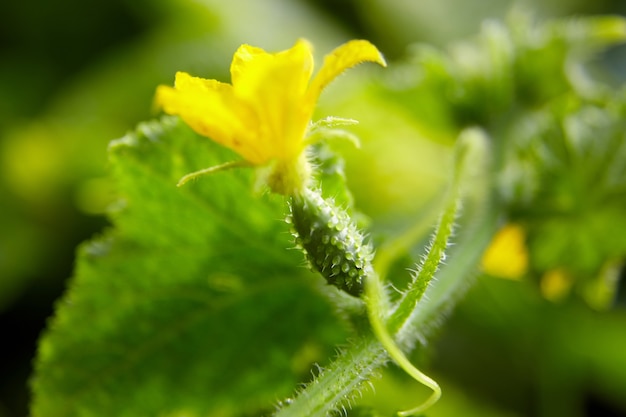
{"x":76,"y":74}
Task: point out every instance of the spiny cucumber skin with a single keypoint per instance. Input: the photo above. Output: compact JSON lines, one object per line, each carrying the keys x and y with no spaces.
{"x":331,"y":242}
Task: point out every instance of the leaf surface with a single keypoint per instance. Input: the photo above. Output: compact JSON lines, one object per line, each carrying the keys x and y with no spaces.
{"x":190,"y":303}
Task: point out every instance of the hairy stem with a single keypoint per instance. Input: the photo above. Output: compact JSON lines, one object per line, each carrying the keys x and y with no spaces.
{"x":337,"y":386}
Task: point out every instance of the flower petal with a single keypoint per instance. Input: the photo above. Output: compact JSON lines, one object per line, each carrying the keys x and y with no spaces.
{"x":245,"y":59}
{"x":264,"y":114}
{"x":507,"y":255}
{"x":210,"y":108}
{"x":343,"y":57}
{"x":274,"y":85}
{"x":250,"y":64}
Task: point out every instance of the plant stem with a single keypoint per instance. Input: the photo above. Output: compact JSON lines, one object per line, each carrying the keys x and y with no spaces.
{"x":338,"y":385}
{"x":341,"y":383}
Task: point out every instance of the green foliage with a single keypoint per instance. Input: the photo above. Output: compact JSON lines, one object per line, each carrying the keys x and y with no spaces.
{"x":504,"y":72}
{"x":556,"y":132}
{"x":192,"y":303}
{"x":571,"y":193}
{"x":163,"y":293}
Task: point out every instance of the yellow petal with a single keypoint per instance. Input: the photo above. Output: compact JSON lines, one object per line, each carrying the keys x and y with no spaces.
{"x":245,"y":58}
{"x":556,"y":284}
{"x":252,"y":65}
{"x":343,"y":57}
{"x":210,"y":108}
{"x":274,"y":85}
{"x":186,"y":83}
{"x":507,"y":255}
{"x":264,"y":114}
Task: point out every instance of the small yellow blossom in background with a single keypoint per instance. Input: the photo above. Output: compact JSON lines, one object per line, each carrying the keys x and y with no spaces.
{"x":507,"y":255}
{"x":264,"y":114}
{"x":556,"y":284}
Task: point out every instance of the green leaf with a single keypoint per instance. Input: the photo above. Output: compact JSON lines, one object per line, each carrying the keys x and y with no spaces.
{"x":190,"y":303}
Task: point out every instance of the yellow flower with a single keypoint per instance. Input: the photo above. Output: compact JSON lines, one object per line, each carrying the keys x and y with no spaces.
{"x":265,"y":112}
{"x":507,"y":255}
{"x":556,"y":283}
